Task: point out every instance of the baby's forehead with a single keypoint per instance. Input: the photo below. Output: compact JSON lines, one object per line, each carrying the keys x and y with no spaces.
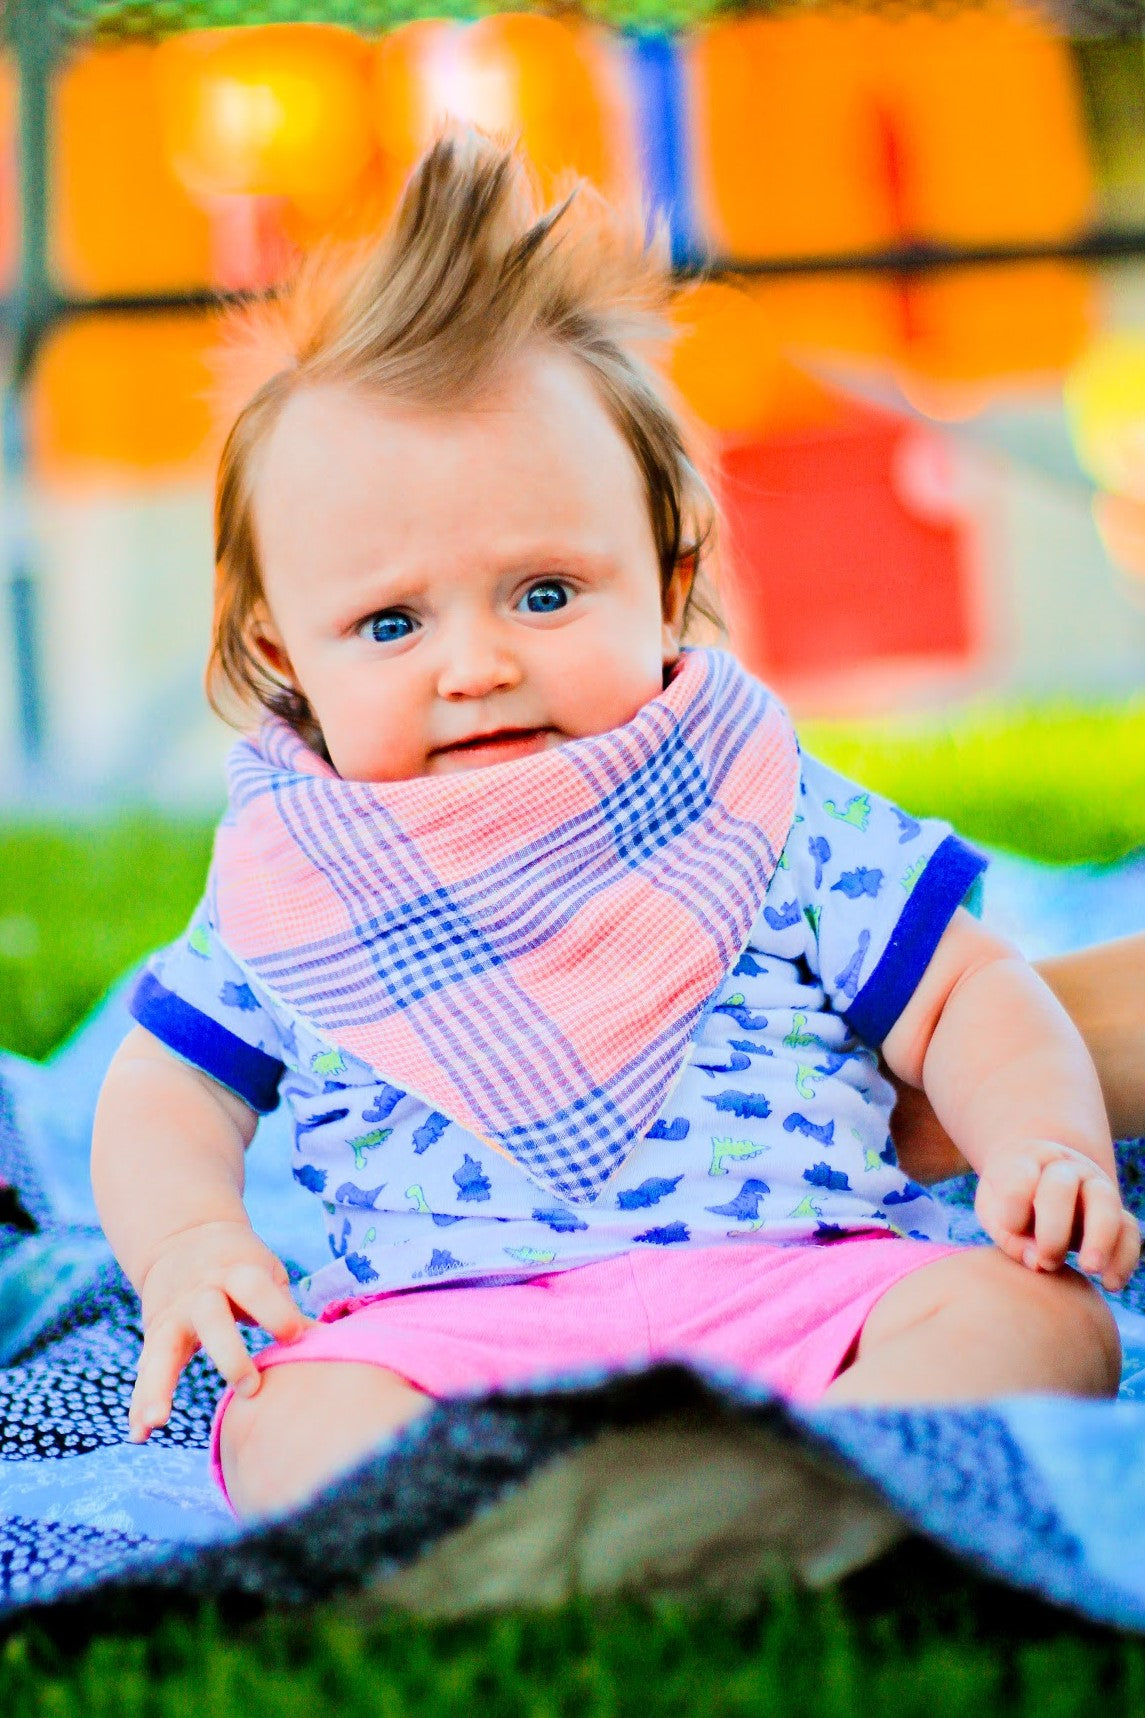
{"x":348,"y":472}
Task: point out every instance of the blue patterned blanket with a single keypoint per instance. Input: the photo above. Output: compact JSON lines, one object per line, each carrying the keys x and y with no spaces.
{"x":1047,"y":1494}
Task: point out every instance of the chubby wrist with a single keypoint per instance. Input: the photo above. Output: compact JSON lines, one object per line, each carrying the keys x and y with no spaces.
{"x":198,"y":1231}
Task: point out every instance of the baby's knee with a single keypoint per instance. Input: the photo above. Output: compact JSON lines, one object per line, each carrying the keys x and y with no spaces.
{"x":307,"y":1423}
{"x":1064,"y":1314}
{"x":249,"y":1450}
{"x":1089,"y":1328}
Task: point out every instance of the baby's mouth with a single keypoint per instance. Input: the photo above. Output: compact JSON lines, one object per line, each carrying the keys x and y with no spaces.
{"x":499,"y":747}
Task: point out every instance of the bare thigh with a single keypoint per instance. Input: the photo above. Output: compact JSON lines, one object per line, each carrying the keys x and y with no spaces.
{"x":978,"y":1324}
{"x":309,"y":1421}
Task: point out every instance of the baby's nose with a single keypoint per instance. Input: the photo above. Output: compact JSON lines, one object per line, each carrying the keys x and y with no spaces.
{"x":476,"y":662}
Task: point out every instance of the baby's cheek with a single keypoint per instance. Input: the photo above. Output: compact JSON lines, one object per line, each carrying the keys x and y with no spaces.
{"x":606,"y":690}
{"x":371,"y":737}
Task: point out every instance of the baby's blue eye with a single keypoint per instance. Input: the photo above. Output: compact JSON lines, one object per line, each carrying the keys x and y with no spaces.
{"x":546,"y":597}
{"x":387,"y":628}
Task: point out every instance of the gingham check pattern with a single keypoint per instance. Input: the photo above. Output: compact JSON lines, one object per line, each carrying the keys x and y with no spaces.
{"x":528,"y":947}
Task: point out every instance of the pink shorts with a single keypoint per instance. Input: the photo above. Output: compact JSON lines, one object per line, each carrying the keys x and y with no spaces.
{"x":786,"y":1317}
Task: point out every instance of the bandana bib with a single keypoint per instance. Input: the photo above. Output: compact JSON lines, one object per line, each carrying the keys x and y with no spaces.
{"x":529,"y":946}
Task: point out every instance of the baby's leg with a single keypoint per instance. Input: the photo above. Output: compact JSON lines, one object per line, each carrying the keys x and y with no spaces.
{"x":307,"y":1422}
{"x":978,"y":1324}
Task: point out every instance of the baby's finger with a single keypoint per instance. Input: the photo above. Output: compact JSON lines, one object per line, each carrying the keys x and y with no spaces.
{"x":1126,"y":1255}
{"x":1102,"y":1223}
{"x":219,"y":1335}
{"x":167,"y":1347}
{"x":266,"y":1302}
{"x":1004,"y":1201}
{"x":1056,"y":1203}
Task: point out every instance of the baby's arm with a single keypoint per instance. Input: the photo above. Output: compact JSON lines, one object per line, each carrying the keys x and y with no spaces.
{"x":167,"y":1169}
{"x":1011,"y":1081}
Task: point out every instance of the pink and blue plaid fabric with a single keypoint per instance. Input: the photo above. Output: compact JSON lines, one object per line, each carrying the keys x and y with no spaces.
{"x":528,"y":947}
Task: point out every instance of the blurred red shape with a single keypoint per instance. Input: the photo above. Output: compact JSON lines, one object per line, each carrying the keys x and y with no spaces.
{"x":847,"y":549}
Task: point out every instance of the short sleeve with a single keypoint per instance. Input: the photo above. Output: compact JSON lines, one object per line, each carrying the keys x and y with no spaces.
{"x":878,"y":888}
{"x":195,"y":998}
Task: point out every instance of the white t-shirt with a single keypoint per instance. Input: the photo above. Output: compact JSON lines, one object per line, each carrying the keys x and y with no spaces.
{"x":776,"y":1129}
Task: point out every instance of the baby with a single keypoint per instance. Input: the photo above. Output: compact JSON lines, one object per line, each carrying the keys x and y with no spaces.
{"x":573,"y":971}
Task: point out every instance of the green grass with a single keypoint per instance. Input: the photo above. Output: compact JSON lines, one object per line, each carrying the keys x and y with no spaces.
{"x":913,"y":1637}
{"x":874,"y":1648}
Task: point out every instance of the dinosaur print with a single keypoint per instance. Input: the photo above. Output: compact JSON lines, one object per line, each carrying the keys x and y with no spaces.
{"x":829,"y":1232}
{"x":367,"y":1142}
{"x":324,"y":1120}
{"x":836,"y":1059}
{"x":863,"y":880}
{"x":741,"y":1104}
{"x":906,"y":1195}
{"x":471,"y":1181}
{"x":387,"y":1099}
{"x":441,"y":1262}
{"x":429,"y":1131}
{"x":744,"y":1017}
{"x":350,"y":1194}
{"x":736,"y":1066}
{"x":798,"y":1038}
{"x":748,"y":966}
{"x":807,"y":1208}
{"x":649,"y":1192}
{"x":199,"y":941}
{"x":745,"y":1206}
{"x":912,"y":874}
{"x":805,"y":1081}
{"x":847,"y":981}
{"x":238,"y":996}
{"x":328,"y":1064}
{"x":668,"y":1235}
{"x":913,"y":871}
{"x":823,"y":1133}
{"x":725,"y":1151}
{"x":831,"y":1180}
{"x":530,"y":1255}
{"x":749,"y":1048}
{"x":813,"y":914}
{"x":908,"y":826}
{"x":820,"y":850}
{"x":675,"y":1129}
{"x":563,"y":1222}
{"x":782,"y":918}
{"x":309,"y":1175}
{"x":856,"y":812}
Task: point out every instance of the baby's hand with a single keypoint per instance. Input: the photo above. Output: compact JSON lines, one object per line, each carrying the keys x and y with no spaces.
{"x":195,"y":1292}
{"x":1042,"y":1200}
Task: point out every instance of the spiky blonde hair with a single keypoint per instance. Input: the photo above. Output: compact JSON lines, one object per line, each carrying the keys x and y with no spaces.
{"x":471,"y":272}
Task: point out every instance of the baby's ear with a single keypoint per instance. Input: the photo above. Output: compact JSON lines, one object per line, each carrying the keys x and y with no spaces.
{"x":674,"y":603}
{"x":264,"y":641}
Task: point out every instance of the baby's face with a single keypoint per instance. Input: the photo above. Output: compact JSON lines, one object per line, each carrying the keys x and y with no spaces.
{"x":452,"y":589}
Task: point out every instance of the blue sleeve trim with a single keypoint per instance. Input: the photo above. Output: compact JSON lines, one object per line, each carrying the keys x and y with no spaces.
{"x":251,"y":1074}
{"x":953,"y":869}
